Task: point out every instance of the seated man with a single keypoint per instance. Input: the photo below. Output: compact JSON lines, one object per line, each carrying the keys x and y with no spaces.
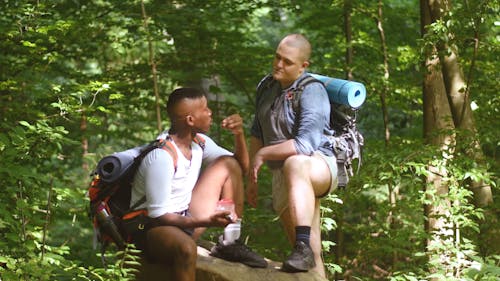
{"x":181,"y":200}
{"x":296,"y":147}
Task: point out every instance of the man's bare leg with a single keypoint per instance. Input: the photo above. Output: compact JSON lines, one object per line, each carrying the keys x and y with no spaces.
{"x":307,"y":178}
{"x":316,"y":240}
{"x":315,"y":243}
{"x":172,"y":247}
{"x":221,"y":180}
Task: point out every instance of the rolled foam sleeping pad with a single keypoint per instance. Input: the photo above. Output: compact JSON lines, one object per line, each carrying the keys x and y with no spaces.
{"x":341,"y":91}
{"x":111,"y":167}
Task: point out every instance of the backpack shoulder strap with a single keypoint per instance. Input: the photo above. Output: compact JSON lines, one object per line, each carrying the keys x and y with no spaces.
{"x":198,"y":139}
{"x":168,"y":146}
{"x":301,"y":85}
{"x":137,"y":161}
{"x":263,"y":84}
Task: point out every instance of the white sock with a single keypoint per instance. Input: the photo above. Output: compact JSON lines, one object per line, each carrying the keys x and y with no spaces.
{"x":232,"y":232}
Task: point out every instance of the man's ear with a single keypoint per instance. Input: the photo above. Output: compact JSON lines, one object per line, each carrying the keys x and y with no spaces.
{"x":305,"y":64}
{"x":189,"y":120}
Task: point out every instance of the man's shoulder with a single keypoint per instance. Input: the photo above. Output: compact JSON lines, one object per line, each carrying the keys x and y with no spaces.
{"x":158,"y":156}
{"x":307,"y":79}
{"x":312,"y":89}
{"x":202,"y":138}
{"x":208,"y":142}
{"x":159,"y":161}
{"x":315,"y":85}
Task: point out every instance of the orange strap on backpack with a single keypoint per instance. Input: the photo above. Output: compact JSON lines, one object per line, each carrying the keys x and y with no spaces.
{"x":167,"y":145}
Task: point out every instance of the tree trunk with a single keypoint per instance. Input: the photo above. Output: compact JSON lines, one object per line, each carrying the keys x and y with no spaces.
{"x":393,"y":191}
{"x":438,"y":126}
{"x":152,"y":62}
{"x":459,"y":101}
{"x":85,"y":142}
{"x":385,"y":81}
{"x":348,"y":39}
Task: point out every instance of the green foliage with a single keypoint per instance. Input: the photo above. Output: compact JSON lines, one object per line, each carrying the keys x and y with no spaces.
{"x":120,"y":265}
{"x":484,"y":269}
{"x":76,"y":84}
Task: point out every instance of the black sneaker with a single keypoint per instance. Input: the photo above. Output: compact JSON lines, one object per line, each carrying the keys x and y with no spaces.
{"x":238,"y":252}
{"x":301,"y":259}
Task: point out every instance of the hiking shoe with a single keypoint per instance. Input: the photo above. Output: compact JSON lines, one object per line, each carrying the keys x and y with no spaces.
{"x":301,"y":259}
{"x":237,"y":252}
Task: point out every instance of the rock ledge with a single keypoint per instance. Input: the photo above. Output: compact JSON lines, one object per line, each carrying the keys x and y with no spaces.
{"x":213,"y":269}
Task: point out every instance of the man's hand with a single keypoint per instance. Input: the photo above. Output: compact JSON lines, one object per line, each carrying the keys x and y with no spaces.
{"x":234,"y":123}
{"x":220,"y":218}
{"x":257,"y":163}
{"x":253,"y":171}
{"x":252,"y":187}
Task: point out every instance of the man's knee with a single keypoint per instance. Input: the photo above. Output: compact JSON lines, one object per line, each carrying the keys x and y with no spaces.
{"x":187,"y":252}
{"x":181,"y":253}
{"x":295,"y":163}
{"x":231,"y":164}
{"x":167,"y":244}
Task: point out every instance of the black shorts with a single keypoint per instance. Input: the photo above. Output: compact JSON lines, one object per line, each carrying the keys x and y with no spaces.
{"x":139,"y":239}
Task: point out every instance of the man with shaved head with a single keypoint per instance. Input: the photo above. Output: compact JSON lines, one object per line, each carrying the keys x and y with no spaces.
{"x":181,"y":197}
{"x":294,"y":142}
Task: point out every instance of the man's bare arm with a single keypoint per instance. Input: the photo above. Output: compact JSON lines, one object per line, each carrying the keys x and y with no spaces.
{"x":234,"y":123}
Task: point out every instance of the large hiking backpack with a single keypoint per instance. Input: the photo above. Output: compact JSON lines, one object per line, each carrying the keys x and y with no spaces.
{"x":347,"y":141}
{"x":115,"y":221}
